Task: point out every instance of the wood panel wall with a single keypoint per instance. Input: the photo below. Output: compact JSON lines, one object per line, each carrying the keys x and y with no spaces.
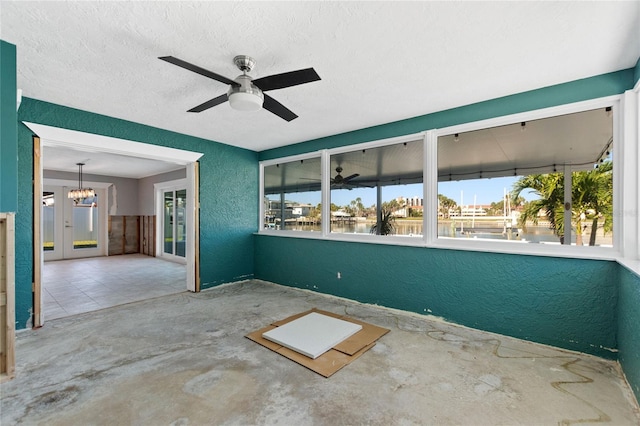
{"x":7,"y":296}
{"x":132,"y":234}
{"x":148,"y":238}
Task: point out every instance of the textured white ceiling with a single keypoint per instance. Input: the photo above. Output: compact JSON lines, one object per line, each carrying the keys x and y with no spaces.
{"x":379,"y":61}
{"x":102,"y":163}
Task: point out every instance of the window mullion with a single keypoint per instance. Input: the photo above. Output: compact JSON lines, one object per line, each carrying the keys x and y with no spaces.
{"x":568,"y":204}
{"x":325,"y":165}
{"x":626,"y":177}
{"x":261,"y":204}
{"x":430,"y":187}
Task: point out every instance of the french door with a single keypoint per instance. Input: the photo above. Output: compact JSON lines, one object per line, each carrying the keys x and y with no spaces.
{"x":72,"y":229}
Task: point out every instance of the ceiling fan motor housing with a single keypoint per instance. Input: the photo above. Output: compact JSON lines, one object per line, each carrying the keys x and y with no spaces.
{"x":338,"y":178}
{"x":244,"y":62}
{"x":246,"y":96}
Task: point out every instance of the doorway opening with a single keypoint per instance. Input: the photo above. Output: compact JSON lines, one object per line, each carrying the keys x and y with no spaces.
{"x":82,"y":228}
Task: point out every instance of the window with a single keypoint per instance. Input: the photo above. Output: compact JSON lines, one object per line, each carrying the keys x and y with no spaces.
{"x":503,"y":184}
{"x":292,"y":195}
{"x":508,"y":182}
{"x":378,"y":190}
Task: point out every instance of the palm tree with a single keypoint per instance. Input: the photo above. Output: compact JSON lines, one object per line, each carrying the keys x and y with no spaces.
{"x":445,"y":204}
{"x":591,"y":197}
{"x":386,"y":224}
{"x":594,"y":192}
{"x":550,"y":190}
{"x":357,"y":207}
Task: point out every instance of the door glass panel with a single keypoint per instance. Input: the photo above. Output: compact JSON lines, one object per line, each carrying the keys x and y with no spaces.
{"x":168,"y":222}
{"x":181,"y":224}
{"x":85,"y":223}
{"x":48,"y":220}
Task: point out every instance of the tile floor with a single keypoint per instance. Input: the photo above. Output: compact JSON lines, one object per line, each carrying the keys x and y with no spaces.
{"x":83,"y":285}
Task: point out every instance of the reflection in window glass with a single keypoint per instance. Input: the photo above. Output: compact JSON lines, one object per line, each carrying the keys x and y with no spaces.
{"x":292,"y":196}
{"x":507,"y":182}
{"x":85,"y":223}
{"x":378,"y":190}
{"x":48,"y":221}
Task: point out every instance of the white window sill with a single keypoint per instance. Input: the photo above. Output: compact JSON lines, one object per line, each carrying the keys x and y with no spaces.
{"x":631,"y":264}
{"x":505,"y":247}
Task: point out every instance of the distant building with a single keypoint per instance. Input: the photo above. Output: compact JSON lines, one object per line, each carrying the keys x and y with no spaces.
{"x":468,"y":211}
{"x":414,"y":201}
{"x":292,"y":210}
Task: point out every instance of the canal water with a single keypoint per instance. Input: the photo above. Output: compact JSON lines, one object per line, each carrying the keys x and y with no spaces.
{"x":533,"y":234}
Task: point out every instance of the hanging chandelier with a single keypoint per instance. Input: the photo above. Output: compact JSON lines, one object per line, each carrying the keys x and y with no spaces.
{"x":80,"y":192}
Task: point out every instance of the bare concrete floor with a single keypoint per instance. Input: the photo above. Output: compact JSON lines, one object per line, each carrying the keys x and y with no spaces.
{"x":183,"y":359}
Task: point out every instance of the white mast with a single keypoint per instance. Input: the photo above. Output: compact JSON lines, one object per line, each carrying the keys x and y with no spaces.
{"x":461,"y":207}
{"x":473,"y":219}
{"x":504,"y":210}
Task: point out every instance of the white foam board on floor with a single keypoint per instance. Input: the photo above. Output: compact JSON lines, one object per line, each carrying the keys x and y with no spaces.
{"x":313,"y":334}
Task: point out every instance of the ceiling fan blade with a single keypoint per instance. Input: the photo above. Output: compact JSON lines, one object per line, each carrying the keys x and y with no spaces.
{"x":278,"y":109}
{"x":287,"y":79}
{"x":353,"y":176}
{"x":210,"y":103}
{"x":198,"y":70}
{"x":360,"y":185}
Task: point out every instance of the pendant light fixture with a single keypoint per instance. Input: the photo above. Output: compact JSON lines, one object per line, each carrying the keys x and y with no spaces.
{"x":80,"y":192}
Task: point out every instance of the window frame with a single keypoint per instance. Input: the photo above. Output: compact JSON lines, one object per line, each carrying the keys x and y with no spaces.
{"x":623,"y":166}
{"x":608,"y":253}
{"x":281,"y":160}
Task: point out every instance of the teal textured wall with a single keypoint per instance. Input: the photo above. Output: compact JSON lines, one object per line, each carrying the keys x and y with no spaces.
{"x":228,"y":194}
{"x":24,"y":228}
{"x":567,"y":303}
{"x":8,"y":129}
{"x":575,"y":91}
{"x":629,"y":327}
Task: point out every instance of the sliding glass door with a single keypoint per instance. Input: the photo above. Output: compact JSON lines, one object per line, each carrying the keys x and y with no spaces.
{"x":174,"y":223}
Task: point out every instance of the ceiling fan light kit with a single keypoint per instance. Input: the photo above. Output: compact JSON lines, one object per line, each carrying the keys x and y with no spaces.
{"x":246,"y":97}
{"x":245,"y":93}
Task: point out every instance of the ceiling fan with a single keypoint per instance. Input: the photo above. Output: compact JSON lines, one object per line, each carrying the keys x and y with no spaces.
{"x":245,"y":93}
{"x":340,"y":181}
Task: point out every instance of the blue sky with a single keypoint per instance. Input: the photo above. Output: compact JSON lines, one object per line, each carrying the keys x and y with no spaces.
{"x":485,"y":191}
